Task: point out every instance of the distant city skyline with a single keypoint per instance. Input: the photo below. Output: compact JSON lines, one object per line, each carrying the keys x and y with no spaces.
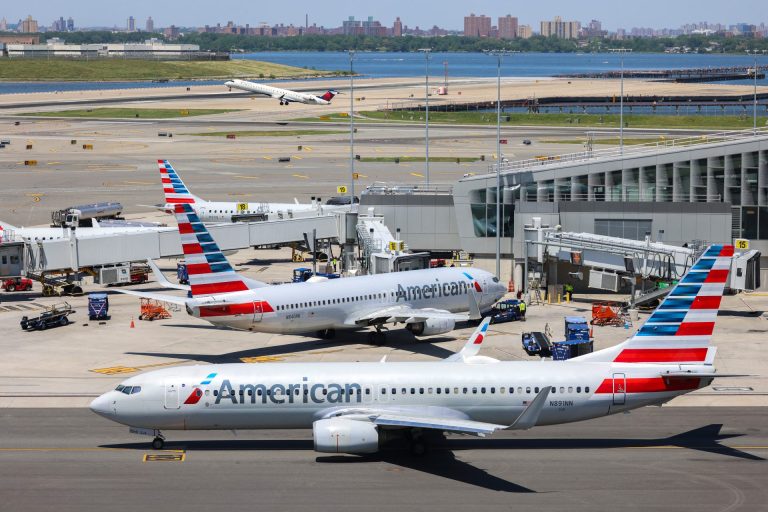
{"x":450,"y":15}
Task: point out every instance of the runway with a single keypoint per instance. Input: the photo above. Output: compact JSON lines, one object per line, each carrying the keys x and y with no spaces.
{"x":672,"y":458}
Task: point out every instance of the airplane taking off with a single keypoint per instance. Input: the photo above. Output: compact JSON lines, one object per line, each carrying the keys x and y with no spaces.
{"x":285,"y":96}
{"x":176,"y":192}
{"x":355,"y":407}
{"x":426,"y":301}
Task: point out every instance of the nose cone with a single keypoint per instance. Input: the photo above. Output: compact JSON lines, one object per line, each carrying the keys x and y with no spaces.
{"x":102,"y":406}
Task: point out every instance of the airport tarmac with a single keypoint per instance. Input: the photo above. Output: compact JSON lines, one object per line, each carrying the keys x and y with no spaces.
{"x":697,"y":459}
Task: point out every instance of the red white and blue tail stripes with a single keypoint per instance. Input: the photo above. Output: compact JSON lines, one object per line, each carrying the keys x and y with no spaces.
{"x":175,"y":190}
{"x":680,"y":329}
{"x":209,"y":271}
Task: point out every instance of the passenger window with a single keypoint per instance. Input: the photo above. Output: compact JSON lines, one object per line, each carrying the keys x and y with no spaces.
{"x":413,"y":391}
{"x":464,"y":390}
{"x":429,"y":391}
{"x":421,"y":391}
{"x":528,"y":390}
{"x":439,"y":390}
{"x":403,"y":391}
{"x":519,"y":390}
{"x":447,"y":391}
{"x":482,"y":390}
{"x":502,"y":390}
{"x":367,"y":391}
{"x":455,"y":391}
{"x":586,"y":389}
{"x":474,"y":391}
{"x":562,"y":389}
{"x":216,"y":392}
{"x":394,"y":391}
{"x":383,"y":391}
{"x":493,"y":391}
{"x":536,"y":390}
{"x":570,"y":389}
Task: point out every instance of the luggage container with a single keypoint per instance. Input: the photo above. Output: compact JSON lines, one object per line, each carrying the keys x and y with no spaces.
{"x":98,"y":306}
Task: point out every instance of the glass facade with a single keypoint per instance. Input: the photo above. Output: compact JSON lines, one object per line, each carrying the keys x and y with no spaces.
{"x":483,"y":209}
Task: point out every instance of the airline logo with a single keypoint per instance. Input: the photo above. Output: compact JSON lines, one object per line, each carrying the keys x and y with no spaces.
{"x":209,"y":271}
{"x":175,"y":190}
{"x":681,"y":327}
{"x":328,"y":96}
{"x":304,"y":393}
{"x":480,"y":336}
{"x":197,"y":393}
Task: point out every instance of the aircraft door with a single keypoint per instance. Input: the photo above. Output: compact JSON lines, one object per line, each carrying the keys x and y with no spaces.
{"x":258,"y":310}
{"x":619,"y":388}
{"x":172,"y":391}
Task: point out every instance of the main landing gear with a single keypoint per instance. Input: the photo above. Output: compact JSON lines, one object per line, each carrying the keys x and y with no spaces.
{"x":379,"y":337}
{"x":326,"y":334}
{"x":417,"y":444}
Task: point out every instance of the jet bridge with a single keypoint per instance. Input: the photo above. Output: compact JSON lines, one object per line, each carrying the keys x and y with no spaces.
{"x":609,"y":260}
{"x":75,"y":253}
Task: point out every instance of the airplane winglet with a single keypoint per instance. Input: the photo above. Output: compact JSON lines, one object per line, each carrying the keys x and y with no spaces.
{"x":530,"y":414}
{"x":474,"y":308}
{"x":472,"y":347}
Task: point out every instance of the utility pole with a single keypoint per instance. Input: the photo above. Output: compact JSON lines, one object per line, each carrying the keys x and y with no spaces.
{"x":621,"y":51}
{"x":351,"y":128}
{"x":426,"y":103}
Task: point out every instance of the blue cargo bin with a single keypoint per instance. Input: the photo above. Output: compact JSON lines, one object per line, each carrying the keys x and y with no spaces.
{"x":98,"y":306}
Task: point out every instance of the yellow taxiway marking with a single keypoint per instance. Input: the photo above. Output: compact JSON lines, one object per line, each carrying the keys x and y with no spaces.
{"x":165,"y":457}
{"x":115,"y":370}
{"x":139,"y":182}
{"x":362,"y":175}
{"x":53,"y":163}
{"x":418,"y":175}
{"x":307,"y":148}
{"x":261,"y":359}
{"x":297,"y":157}
{"x":300,"y":176}
{"x":247,"y":178}
{"x":267,"y":157}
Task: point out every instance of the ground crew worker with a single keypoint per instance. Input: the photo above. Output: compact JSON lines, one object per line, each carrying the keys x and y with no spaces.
{"x":521,"y":305}
{"x":569,"y":291}
{"x":335,"y":262}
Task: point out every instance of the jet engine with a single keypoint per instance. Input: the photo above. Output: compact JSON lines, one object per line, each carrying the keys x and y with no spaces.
{"x":338,"y":435}
{"x":431,"y":326}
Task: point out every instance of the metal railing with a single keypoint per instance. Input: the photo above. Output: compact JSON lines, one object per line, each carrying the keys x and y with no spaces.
{"x":382,"y":188}
{"x":635,"y":150}
{"x":550,"y":197}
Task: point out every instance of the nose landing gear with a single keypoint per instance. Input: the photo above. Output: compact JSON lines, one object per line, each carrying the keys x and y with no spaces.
{"x":158,"y":442}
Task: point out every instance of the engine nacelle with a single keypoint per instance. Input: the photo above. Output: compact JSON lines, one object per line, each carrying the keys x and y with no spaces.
{"x":339,"y":435}
{"x":431,"y":326}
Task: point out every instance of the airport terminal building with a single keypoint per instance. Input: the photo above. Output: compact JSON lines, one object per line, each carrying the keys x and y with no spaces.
{"x":712,"y":188}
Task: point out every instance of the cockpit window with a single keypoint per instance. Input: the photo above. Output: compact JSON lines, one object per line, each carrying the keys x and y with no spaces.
{"x":135,"y":390}
{"x":119,"y":388}
{"x":127,"y":390}
{"x":495,"y":279}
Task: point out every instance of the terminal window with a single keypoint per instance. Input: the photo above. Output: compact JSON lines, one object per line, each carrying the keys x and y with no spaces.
{"x":632,"y":229}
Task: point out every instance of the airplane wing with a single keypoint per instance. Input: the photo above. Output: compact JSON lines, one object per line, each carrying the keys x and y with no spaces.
{"x":173,"y":299}
{"x":448,"y":420}
{"x":404,"y":314}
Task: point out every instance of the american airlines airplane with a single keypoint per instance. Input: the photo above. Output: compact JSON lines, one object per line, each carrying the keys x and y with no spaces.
{"x":285,"y":96}
{"x":426,"y":301}
{"x":355,"y":407}
{"x":218,"y":211}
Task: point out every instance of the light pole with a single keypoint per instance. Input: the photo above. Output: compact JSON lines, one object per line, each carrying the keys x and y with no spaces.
{"x":754,"y":105}
{"x":426,"y":103}
{"x":621,"y":51}
{"x":499,"y":54}
{"x":351,"y":129}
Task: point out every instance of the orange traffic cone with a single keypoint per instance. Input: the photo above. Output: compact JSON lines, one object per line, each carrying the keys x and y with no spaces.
{"x":132,"y":324}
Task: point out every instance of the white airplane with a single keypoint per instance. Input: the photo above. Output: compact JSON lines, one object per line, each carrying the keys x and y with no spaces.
{"x":285,"y":96}
{"x":354,"y":407}
{"x":426,"y":301}
{"x":176,"y":192}
{"x":9,"y":232}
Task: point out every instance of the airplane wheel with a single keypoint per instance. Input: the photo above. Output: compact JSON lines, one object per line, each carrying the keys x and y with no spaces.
{"x":158,"y":443}
{"x":418,"y":448}
{"x":377,"y":338}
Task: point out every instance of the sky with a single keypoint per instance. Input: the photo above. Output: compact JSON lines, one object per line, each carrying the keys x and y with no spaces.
{"x":444,"y":13}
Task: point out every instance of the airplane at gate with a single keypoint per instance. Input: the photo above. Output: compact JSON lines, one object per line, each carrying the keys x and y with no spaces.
{"x":285,"y":96}
{"x":222,"y":211}
{"x":428,"y":301}
{"x":354,"y":407}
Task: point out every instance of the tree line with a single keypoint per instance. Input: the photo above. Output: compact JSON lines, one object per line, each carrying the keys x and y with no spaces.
{"x":336,"y":43}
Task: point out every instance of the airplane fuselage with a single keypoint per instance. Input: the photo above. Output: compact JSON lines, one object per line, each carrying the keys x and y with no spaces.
{"x":305,"y":307}
{"x":295,"y":395}
{"x":284,"y":95}
{"x":219,"y":211}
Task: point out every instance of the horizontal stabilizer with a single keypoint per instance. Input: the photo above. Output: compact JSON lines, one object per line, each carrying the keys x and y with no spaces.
{"x":172,"y":299}
{"x":162,"y":280}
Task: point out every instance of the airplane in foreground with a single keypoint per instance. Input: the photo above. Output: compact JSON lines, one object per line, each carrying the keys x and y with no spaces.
{"x":285,"y":96}
{"x":177,"y":192}
{"x":355,"y":407}
{"x":427,"y":302}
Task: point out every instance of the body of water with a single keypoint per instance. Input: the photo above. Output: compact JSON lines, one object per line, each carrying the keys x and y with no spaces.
{"x":478,"y":65}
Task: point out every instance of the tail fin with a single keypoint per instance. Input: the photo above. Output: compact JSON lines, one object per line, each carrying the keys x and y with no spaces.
{"x":680,"y":329}
{"x":328,"y":96}
{"x":176,"y":192}
{"x":209,"y":271}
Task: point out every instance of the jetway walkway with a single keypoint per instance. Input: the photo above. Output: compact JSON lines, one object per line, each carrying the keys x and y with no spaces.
{"x":63,"y":255}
